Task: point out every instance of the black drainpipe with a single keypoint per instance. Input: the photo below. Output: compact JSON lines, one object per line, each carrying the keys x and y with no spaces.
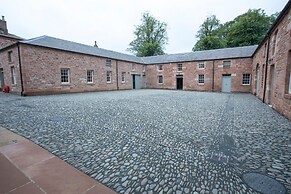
{"x":266,"y":70}
{"x":117,"y":85}
{"x":20,"y":70}
{"x":213,"y":76}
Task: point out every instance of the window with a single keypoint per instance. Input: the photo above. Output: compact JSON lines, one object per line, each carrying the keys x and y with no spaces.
{"x":133,"y":67}
{"x":201,"y":65}
{"x":13,"y":75}
{"x":143,"y":68}
{"x":90,"y":76}
{"x":65,"y":75}
{"x":123,"y":77}
{"x":226,"y":64}
{"x":201,"y":79}
{"x":265,"y":50}
{"x":108,"y":63}
{"x":179,"y":67}
{"x":108,"y":76}
{"x":246,"y":79}
{"x":160,"y":67}
{"x":160,"y":79}
{"x":10,"y":56}
{"x":274,"y":42}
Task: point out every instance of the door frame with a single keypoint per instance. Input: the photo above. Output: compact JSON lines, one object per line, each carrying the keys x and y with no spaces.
{"x":180,"y":77}
{"x":225,"y":75}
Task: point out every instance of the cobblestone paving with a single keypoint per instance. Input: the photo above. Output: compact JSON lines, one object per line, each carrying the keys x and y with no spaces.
{"x":153,"y":141}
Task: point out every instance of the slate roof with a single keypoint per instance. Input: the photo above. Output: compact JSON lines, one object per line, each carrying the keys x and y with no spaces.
{"x":11,"y":36}
{"x":50,"y":42}
{"x":225,"y":53}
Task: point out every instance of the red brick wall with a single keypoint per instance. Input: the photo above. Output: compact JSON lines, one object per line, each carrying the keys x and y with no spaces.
{"x":6,"y":66}
{"x":191,"y":71}
{"x":42,"y":74}
{"x":280,"y":99}
{"x":5,"y":41}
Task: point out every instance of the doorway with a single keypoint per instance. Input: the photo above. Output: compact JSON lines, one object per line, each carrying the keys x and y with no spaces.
{"x":257,"y":80}
{"x":226,"y":83}
{"x":272,"y":74}
{"x":1,"y":78}
{"x":136,"y":82}
{"x":179,"y":82}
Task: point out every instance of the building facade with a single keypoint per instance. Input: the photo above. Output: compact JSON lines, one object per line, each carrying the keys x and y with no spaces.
{"x":47,"y":65}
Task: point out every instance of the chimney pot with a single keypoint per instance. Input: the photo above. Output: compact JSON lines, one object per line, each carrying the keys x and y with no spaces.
{"x":3,"y":18}
{"x":95,"y":45}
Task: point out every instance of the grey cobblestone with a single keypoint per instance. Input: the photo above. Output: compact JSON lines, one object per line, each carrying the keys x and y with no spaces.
{"x":153,"y":141}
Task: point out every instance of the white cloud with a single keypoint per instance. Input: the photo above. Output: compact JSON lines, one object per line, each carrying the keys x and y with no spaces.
{"x":111,"y":22}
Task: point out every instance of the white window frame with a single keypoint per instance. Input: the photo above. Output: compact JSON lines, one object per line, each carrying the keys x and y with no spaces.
{"x":179,"y":67}
{"x":133,"y":66}
{"x":90,"y":75}
{"x":123,"y":74}
{"x":246,"y":79}
{"x":108,"y":75}
{"x":108,"y":63}
{"x":13,"y":75}
{"x":160,"y":81}
{"x":201,"y":65}
{"x":67,"y":70}
{"x":201,"y":79}
{"x":160,"y":67}
{"x":226,"y":63}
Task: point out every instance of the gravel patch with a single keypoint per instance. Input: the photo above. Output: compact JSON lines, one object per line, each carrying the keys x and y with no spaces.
{"x":158,"y":141}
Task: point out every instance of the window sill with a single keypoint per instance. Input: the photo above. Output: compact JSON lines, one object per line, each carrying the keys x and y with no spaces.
{"x":109,"y":82}
{"x":246,"y":84}
{"x":287,"y":96}
{"x":201,"y":84}
{"x":90,"y":83}
{"x":66,"y":84}
{"x":160,"y":83}
{"x":123,"y":82}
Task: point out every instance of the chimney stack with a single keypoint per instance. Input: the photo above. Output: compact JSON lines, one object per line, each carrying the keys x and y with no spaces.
{"x":3,"y":26}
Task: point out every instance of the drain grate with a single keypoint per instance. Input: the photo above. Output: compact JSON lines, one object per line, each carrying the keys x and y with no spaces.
{"x":264,"y":184}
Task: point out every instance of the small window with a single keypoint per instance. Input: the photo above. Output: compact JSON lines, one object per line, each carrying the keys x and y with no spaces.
{"x":160,"y":79}
{"x":10,"y":56}
{"x":108,"y":76}
{"x":265,"y":50}
{"x":179,"y":67}
{"x":201,"y":65}
{"x":226,"y":64}
{"x":246,"y":79}
{"x":108,"y":63}
{"x":13,"y":75}
{"x":123,"y":77}
{"x":90,"y":76}
{"x":160,"y":67}
{"x":201,"y":79}
{"x":65,"y":75}
{"x":133,"y":67}
{"x":143,"y":68}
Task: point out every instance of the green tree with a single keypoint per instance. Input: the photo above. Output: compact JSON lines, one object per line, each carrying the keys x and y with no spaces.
{"x":150,"y":37}
{"x":209,"y":35}
{"x":249,"y":28}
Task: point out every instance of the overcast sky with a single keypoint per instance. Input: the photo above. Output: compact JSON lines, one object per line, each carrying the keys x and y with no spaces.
{"x":112,"y":22}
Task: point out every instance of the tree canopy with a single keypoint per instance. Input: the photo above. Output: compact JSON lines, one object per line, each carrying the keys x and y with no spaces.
{"x":246,"y":29}
{"x":150,"y":37}
{"x":208,"y":35}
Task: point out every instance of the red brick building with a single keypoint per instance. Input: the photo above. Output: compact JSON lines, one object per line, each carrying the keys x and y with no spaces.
{"x":47,"y":65}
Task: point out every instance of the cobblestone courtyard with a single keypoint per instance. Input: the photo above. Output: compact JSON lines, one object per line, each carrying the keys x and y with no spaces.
{"x":159,"y":141}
